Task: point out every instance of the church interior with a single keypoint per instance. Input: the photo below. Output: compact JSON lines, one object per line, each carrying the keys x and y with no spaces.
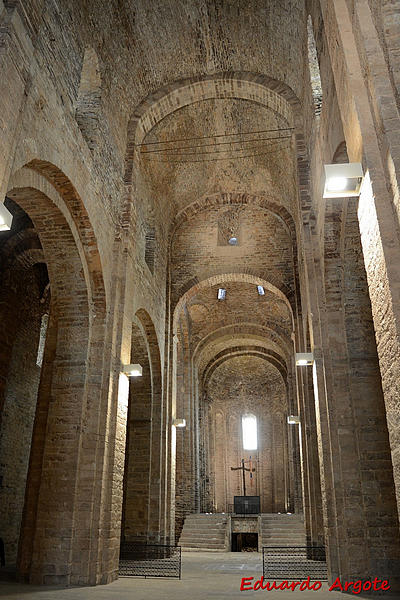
{"x":200,"y":286}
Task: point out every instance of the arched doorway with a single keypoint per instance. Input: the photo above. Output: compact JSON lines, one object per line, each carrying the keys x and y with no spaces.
{"x":142,"y":519}
{"x":66,"y":404}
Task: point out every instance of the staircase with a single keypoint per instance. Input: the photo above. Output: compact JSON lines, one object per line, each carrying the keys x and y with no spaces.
{"x":282,"y":530}
{"x":205,"y":532}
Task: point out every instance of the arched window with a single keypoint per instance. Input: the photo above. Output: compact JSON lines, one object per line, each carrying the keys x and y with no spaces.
{"x":249,"y":432}
{"x":42,"y":339}
{"x":150,"y":246}
{"x":89,"y":97}
{"x":315,"y":76}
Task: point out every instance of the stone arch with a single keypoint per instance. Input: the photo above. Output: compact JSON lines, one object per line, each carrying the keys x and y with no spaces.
{"x":266,"y":354}
{"x":340,"y":155}
{"x":148,"y":328}
{"x":243,"y":85}
{"x":262,"y":202}
{"x":142,"y":513}
{"x":135,"y":508}
{"x":234,"y":394}
{"x":70,"y":405}
{"x":22,"y":306}
{"x":248,"y":86}
{"x":52,"y":182}
{"x":193,"y":287}
{"x":270,"y":203}
{"x":157,"y":517}
{"x":261,"y":333}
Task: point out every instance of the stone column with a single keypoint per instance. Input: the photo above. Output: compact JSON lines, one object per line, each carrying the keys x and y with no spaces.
{"x":365,"y":99}
{"x":353,"y":455}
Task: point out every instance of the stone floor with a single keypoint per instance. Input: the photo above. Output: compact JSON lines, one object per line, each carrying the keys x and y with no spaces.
{"x":205,"y":576}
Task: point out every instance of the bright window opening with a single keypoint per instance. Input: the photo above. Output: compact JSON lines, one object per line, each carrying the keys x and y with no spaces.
{"x":316,"y":85}
{"x":249,"y":431}
{"x":42,"y":339}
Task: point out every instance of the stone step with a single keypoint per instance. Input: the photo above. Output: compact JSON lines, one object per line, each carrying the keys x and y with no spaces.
{"x":283,"y":529}
{"x":283,"y":518}
{"x":194,"y":540}
{"x":219,"y":540}
{"x":282,"y":542}
{"x":207,"y":521}
{"x":203,"y":533}
{"x":190,"y":527}
{"x":282,"y":525}
{"x":206,"y":525}
{"x":188,"y":549}
{"x":199,"y":524}
{"x":273,"y":534}
{"x":207,"y":516}
{"x":195,"y":544}
{"x":205,"y":546}
{"x":282,"y":521}
{"x":283,"y":534}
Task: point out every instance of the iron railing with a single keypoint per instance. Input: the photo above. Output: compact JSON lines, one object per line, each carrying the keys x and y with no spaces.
{"x":294,"y":563}
{"x":149,"y":560}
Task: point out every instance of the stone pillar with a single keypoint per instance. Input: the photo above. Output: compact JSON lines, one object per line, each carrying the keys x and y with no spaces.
{"x":365,"y":99}
{"x":353,"y":448}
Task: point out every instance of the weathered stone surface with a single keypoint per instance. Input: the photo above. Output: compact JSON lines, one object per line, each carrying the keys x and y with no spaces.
{"x":137,"y":139}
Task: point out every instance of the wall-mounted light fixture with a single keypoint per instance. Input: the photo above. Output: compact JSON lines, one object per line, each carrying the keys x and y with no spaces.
{"x":293,"y":420}
{"x":304,"y":359}
{"x":179,"y":422}
{"x":221,"y":294}
{"x":5,"y":218}
{"x":343,"y":180}
{"x":132,"y":370}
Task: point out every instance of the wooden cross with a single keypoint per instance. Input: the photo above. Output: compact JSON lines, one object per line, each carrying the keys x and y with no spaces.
{"x":244,"y":469}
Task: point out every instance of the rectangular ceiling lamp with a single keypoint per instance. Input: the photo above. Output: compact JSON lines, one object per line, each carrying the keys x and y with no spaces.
{"x":221,"y":294}
{"x":304,"y":359}
{"x":293,"y":420}
{"x":133,"y":370}
{"x":343,"y":180}
{"x":5,"y":218}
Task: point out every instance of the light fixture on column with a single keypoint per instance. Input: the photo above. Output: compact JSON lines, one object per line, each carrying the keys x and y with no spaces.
{"x":293,"y":420}
{"x":132,"y":370}
{"x":179,"y":422}
{"x":304,"y":359}
{"x":343,"y":180}
{"x":5,"y":218}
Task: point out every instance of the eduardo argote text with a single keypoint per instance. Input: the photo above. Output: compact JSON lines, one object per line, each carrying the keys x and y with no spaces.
{"x":354,"y":587}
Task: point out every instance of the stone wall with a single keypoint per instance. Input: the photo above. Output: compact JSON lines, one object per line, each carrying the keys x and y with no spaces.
{"x":90,"y":89}
{"x":241,"y":386}
{"x":24,"y":299}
